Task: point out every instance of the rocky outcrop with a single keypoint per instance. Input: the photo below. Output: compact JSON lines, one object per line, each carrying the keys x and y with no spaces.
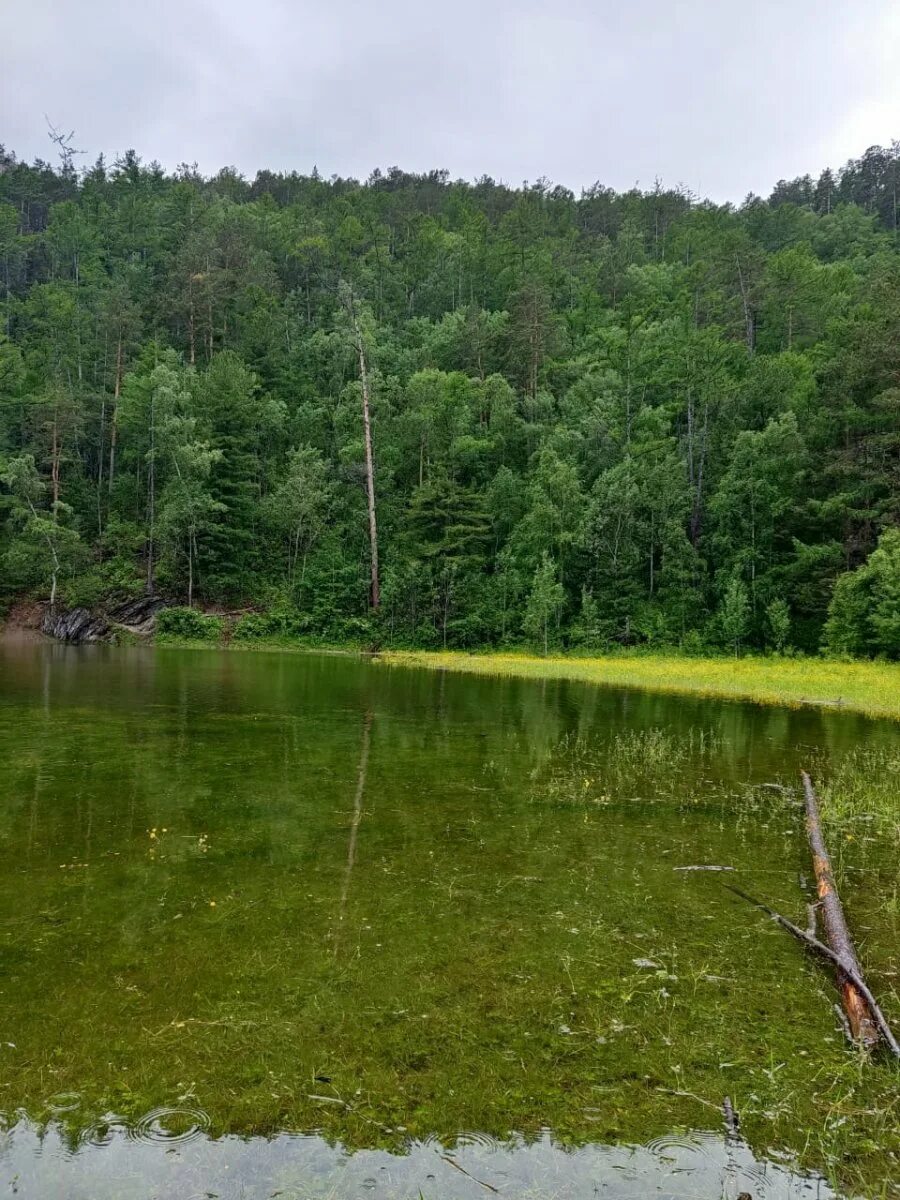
{"x":79,"y":625}
{"x":138,"y":616}
{"x":75,"y":625}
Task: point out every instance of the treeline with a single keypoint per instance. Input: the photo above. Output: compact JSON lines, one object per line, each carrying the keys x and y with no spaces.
{"x":615,"y":418}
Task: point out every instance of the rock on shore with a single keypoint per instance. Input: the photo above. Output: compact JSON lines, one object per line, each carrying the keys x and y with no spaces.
{"x":79,"y":625}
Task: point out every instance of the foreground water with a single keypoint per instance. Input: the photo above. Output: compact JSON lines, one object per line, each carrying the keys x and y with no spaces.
{"x":306,"y":926}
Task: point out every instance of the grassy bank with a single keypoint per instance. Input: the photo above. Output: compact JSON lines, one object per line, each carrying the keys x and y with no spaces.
{"x":868,"y":687}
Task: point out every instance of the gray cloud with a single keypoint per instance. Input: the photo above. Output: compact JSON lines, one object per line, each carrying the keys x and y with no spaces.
{"x":724,"y":96}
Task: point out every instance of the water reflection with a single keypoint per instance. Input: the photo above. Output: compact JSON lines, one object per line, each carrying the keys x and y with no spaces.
{"x":354,"y":821}
{"x":148,"y":1161}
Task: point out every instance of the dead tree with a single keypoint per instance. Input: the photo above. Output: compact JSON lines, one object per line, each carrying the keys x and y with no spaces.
{"x":859,"y":1014}
{"x":375,"y":584}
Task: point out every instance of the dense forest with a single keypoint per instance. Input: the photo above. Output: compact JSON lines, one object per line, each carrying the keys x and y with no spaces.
{"x":424,"y":411}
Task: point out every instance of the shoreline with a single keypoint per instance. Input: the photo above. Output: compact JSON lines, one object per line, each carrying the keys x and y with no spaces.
{"x":868,"y":687}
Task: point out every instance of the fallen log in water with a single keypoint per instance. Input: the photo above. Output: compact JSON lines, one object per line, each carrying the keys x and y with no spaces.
{"x":862,"y":1024}
{"x":851,"y":970}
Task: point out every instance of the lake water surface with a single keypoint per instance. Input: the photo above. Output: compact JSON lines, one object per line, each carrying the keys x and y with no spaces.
{"x":300,"y":926}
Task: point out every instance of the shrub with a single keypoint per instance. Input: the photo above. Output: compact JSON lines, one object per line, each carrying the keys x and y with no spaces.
{"x":693,"y":645}
{"x":278,"y":623}
{"x":85,"y":590}
{"x":734,"y":614}
{"x":354,"y":629}
{"x":187,"y":624}
{"x":778,"y":620}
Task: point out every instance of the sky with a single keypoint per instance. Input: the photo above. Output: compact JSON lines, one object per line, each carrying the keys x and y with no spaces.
{"x":719,"y":96}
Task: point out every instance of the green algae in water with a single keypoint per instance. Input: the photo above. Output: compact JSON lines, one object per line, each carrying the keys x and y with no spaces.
{"x":422,"y":915}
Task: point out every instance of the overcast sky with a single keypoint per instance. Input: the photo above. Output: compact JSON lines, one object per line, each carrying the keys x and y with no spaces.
{"x":724,"y":96}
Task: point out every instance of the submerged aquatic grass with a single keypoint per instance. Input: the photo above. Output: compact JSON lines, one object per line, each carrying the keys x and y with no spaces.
{"x":267,"y":893}
{"x":863,"y":788}
{"x":867,"y":687}
{"x":647,"y":763}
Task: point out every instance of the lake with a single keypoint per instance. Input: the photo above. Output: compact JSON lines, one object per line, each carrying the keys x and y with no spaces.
{"x":296,"y":925}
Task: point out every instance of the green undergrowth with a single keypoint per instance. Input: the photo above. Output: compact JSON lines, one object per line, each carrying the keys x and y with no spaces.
{"x":188,"y":625}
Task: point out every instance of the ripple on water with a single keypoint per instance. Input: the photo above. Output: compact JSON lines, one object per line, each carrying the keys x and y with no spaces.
{"x":697,"y":1149}
{"x":474,"y":1138}
{"x":64,"y":1102}
{"x":759,"y":1180}
{"x":169,"y":1126}
{"x":694,"y":1145}
{"x":102,"y":1131}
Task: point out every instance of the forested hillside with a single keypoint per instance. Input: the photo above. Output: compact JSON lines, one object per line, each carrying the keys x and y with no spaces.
{"x":595,"y":420}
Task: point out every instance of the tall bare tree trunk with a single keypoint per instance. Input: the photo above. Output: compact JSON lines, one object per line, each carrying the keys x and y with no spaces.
{"x":375,"y":587}
{"x":100,"y":440}
{"x":190,"y":568}
{"x":151,"y":496}
{"x":191,"y":330}
{"x":55,"y":455}
{"x":749,"y":326}
{"x":114,"y":415}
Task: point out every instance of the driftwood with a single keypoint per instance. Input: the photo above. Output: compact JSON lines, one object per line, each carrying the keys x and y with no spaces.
{"x":848,"y":968}
{"x":488,"y":1187}
{"x":703,"y":867}
{"x":856,"y":1005}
